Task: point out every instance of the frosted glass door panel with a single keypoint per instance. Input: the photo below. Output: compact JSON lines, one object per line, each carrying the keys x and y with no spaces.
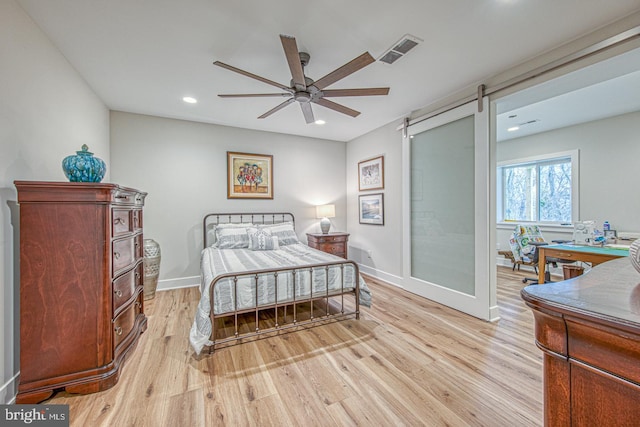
{"x":442,"y":206}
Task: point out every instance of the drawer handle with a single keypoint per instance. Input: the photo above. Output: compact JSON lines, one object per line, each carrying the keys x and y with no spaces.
{"x":118,"y":221}
{"x":137,"y":275}
{"x":118,"y":293}
{"x":119,"y":196}
{"x":564,"y":255}
{"x":116,"y":255}
{"x":118,"y":330}
{"x":138,"y":304}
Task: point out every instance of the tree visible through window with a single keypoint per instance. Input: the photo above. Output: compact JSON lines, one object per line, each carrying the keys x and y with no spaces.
{"x":537,"y":191}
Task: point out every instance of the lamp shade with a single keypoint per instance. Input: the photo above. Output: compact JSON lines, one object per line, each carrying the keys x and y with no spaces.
{"x":326,"y":211}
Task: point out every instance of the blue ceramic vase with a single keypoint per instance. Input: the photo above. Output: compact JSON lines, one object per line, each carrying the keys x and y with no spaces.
{"x":83,"y":167}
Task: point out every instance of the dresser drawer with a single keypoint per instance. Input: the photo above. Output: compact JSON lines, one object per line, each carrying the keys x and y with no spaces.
{"x":121,"y":221}
{"x":136,"y":219}
{"x":333,"y":248}
{"x":125,"y":286}
{"x":127,"y":196}
{"x":124,"y":254}
{"x":123,"y":324}
{"x":125,"y":321}
{"x":331,"y":239}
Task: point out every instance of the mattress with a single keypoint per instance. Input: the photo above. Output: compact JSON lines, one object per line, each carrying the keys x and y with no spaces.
{"x":215,"y":262}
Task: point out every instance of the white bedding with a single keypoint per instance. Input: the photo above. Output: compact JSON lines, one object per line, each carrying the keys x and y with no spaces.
{"x":215,"y":262}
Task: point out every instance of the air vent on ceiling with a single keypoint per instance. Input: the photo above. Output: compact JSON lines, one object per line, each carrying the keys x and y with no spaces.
{"x":399,"y":49}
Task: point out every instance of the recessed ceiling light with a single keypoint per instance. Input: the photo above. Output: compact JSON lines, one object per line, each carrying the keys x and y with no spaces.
{"x":189,"y":100}
{"x":513,"y":129}
{"x":320,"y":122}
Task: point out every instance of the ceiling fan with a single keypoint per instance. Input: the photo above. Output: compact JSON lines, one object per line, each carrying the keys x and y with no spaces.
{"x":305,"y":90}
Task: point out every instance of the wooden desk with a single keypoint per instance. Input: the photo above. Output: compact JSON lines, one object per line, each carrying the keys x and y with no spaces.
{"x":588,"y":329}
{"x":592,"y":254}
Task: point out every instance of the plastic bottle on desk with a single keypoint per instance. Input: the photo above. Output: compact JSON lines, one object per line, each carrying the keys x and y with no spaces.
{"x":606,"y":226}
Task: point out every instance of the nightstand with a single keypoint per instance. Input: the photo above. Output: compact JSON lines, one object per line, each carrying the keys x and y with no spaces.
{"x":332,"y":243}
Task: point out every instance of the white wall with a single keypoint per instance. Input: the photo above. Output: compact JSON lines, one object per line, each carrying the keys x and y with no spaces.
{"x":609,"y":153}
{"x":47,"y":112}
{"x":385,"y":241}
{"x":183,"y":166}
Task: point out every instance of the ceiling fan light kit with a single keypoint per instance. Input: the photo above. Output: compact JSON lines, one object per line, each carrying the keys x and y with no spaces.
{"x":305,"y":90}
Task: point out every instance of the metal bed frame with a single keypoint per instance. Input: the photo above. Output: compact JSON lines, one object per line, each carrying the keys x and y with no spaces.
{"x":288,"y":325}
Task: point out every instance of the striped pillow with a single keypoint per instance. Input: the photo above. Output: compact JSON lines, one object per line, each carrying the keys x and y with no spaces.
{"x":232,"y":236}
{"x":284,"y":232}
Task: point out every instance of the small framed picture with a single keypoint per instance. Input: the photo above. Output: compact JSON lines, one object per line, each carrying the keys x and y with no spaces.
{"x":249,"y":176}
{"x":610,"y":234}
{"x":371,"y":209}
{"x":371,"y":174}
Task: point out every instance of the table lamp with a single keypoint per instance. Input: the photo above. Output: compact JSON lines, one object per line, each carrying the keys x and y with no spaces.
{"x":325,"y":212}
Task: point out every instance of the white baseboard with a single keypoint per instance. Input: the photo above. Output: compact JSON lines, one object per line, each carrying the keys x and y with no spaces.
{"x":9,"y":390}
{"x":181,"y":282}
{"x":381,"y":275}
{"x":494,"y":313}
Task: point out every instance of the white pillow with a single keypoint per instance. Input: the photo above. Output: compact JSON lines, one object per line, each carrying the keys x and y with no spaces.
{"x":262,"y":240}
{"x":232,"y":235}
{"x":284,"y":232}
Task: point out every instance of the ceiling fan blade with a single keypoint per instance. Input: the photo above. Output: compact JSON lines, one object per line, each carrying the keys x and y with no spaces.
{"x":293,"y":58}
{"x":252,"y":95}
{"x":337,"y":107}
{"x":356,"y":92}
{"x":342,"y":72}
{"x":253,"y":76}
{"x":308,"y":112}
{"x":276,"y":108}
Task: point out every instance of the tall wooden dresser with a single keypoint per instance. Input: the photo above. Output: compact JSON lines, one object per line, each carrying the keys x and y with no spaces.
{"x":81,"y":285}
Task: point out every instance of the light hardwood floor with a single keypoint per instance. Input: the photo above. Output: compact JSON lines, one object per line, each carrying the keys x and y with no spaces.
{"x":407,"y":361}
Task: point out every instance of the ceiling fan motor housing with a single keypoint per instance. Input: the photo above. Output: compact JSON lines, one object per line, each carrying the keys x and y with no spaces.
{"x":302,"y":96}
{"x":304,"y":58}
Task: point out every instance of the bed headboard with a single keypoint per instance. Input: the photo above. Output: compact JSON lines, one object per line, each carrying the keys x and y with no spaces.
{"x":212,"y":219}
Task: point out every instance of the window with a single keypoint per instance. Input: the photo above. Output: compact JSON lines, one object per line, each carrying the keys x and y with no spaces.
{"x":541,"y":189}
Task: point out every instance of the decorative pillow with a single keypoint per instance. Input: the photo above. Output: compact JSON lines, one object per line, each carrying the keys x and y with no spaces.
{"x":232,"y":236}
{"x":262,"y":240}
{"x":284,"y":232}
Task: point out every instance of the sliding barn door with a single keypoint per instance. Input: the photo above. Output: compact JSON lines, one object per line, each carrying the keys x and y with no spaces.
{"x":446,"y":210}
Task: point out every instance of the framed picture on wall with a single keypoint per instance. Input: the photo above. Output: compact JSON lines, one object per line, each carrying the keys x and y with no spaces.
{"x":249,"y":176}
{"x":371,"y":174}
{"x":371,"y":209}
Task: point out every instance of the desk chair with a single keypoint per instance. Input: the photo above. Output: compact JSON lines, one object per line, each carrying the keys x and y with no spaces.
{"x":526,"y":239}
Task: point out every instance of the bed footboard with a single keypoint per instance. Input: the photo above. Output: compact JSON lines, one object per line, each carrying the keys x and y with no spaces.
{"x":329,"y":303}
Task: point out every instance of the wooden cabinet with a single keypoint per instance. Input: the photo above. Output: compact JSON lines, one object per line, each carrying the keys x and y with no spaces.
{"x":81,"y":285}
{"x":589,"y":331}
{"x":333,"y":243}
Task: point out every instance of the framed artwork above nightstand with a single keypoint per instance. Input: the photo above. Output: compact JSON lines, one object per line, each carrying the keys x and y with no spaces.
{"x":332,"y":243}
